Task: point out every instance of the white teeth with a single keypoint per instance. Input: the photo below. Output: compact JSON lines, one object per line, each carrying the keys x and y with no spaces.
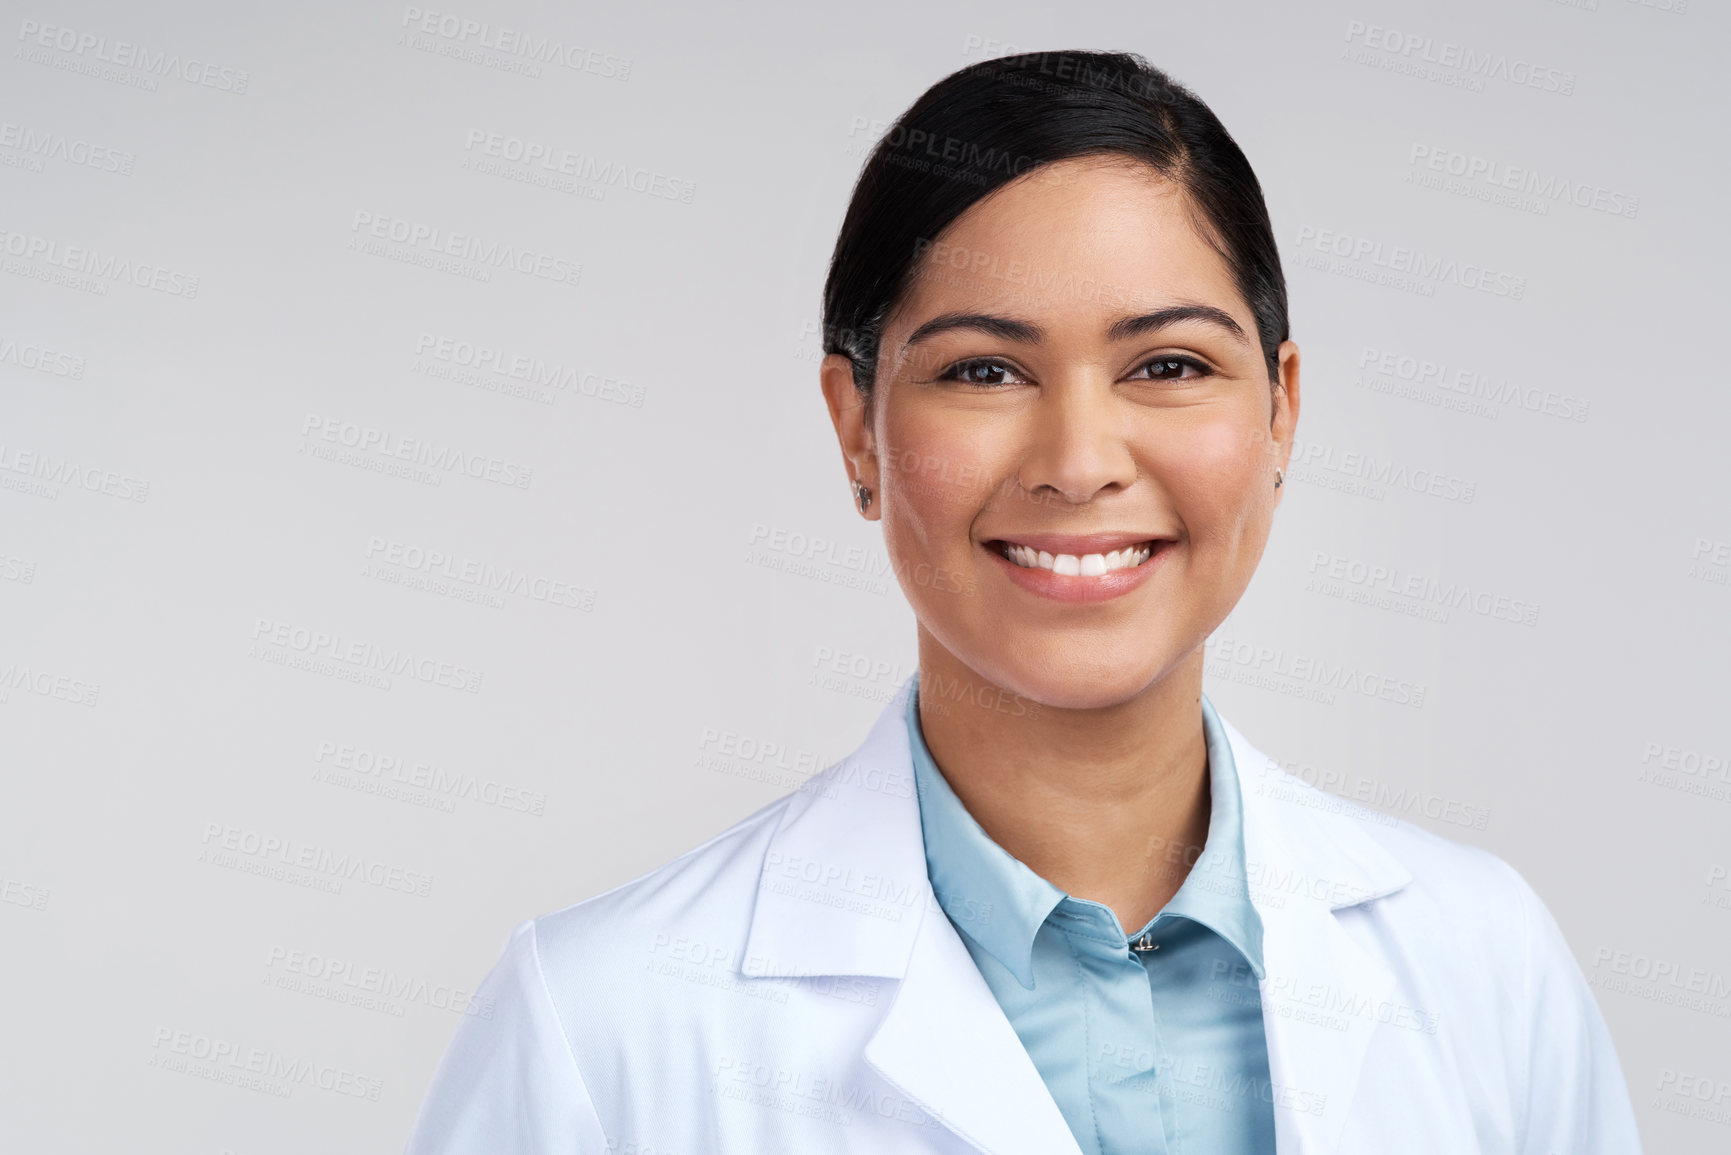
{"x":1087,"y":565}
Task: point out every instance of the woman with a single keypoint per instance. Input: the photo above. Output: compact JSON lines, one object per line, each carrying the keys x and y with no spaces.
{"x":1054,"y":902}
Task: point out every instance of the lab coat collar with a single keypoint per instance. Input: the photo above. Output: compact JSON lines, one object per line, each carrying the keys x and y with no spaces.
{"x":844,"y":880}
{"x":844,"y":891}
{"x":970,"y":872}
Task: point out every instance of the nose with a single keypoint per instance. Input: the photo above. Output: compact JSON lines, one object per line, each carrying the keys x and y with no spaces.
{"x":1077,"y":449}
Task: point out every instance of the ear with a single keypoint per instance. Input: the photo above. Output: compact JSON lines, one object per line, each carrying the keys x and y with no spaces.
{"x":1284,"y":419}
{"x":851,"y":415}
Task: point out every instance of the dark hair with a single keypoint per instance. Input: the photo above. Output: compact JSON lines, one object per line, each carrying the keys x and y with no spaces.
{"x":987,"y":124}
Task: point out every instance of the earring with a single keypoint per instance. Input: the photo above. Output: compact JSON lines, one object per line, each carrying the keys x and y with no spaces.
{"x":862,"y":495}
{"x":1278,"y":478}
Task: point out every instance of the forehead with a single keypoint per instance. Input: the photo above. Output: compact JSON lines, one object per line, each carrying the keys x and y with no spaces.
{"x":1076,"y":239}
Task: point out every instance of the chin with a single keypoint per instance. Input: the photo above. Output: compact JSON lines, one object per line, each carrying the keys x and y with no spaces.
{"x":1074,"y":682}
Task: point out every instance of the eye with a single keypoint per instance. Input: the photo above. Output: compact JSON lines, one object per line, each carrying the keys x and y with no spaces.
{"x":981,"y":372}
{"x":1171,"y":366}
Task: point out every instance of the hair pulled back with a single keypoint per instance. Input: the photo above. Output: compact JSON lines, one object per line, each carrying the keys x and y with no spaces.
{"x":991,"y":122}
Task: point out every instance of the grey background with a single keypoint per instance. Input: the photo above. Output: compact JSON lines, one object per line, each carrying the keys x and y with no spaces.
{"x":164,"y":514}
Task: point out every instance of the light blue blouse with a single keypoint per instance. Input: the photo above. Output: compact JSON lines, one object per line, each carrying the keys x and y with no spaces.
{"x":1147,"y":1051}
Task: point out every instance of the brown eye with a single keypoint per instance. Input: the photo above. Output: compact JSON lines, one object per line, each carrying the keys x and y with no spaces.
{"x":981,"y":373}
{"x":1172,"y":369}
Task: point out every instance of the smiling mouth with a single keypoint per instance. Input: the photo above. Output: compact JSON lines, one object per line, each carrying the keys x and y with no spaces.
{"x":1077,"y":565}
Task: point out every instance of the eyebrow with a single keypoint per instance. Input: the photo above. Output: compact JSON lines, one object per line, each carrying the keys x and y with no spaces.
{"x":1012,"y":329}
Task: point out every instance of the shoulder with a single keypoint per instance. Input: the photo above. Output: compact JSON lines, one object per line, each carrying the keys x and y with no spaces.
{"x":707,"y":890}
{"x":1460,"y":914}
{"x":1386,"y":855}
{"x":1466,"y":926}
{"x":1454,"y":876}
{"x":1464,"y":890}
{"x":1473,"y":942}
{"x":575,"y":989}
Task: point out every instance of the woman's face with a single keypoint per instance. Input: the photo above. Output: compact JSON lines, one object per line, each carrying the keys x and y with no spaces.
{"x":1073,"y":439}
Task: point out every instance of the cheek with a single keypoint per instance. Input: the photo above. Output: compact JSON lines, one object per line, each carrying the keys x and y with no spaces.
{"x":936,"y":476}
{"x":1216,"y":476}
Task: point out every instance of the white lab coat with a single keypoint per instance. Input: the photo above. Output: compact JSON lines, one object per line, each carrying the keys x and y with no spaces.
{"x":791,"y":987}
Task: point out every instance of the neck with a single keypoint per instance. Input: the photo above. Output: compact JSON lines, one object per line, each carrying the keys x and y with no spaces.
{"x":1108,"y":804}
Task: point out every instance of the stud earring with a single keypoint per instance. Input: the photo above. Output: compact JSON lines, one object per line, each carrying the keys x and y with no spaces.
{"x":1278,"y":478}
{"x":862,"y":495}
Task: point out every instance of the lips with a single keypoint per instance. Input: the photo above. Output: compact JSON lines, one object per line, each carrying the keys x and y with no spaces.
{"x":1078,"y":565}
{"x":1077,"y":555}
{"x":1079,"y":569}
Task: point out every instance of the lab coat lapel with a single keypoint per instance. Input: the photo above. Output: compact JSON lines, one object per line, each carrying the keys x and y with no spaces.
{"x":1305,"y":862}
{"x":947,"y":1044}
{"x":1316,"y":1067}
{"x":844,"y":891}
